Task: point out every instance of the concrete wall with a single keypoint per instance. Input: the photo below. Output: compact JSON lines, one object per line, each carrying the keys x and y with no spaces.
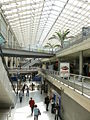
{"x":72,"y":110}
{"x":73,"y":105}
{"x":7,"y":95}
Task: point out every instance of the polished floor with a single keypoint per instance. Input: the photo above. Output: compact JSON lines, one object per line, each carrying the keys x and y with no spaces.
{"x":22,"y":110}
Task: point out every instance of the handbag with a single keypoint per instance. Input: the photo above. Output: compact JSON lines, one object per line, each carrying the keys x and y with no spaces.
{"x":39,"y":113}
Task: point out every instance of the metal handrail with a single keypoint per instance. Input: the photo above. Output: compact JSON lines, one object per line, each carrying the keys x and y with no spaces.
{"x":6,"y":68}
{"x":40,"y":50}
{"x":77,"y":41}
{"x":73,"y":83}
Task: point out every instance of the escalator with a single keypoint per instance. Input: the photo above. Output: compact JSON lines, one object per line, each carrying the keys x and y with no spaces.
{"x":31,"y":63}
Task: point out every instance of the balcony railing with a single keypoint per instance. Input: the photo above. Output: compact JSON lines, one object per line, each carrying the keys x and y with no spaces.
{"x":74,"y":41}
{"x":33,"y":49}
{"x":77,"y":83}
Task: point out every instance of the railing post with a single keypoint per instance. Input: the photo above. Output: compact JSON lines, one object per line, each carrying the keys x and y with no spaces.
{"x":7,"y":117}
{"x":74,"y":82}
{"x":68,"y":80}
{"x":82,"y":85}
{"x":54,"y":74}
{"x":10,"y":112}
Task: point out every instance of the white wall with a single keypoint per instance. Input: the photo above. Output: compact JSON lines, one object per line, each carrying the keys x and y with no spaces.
{"x":7,"y":95}
{"x":72,"y":110}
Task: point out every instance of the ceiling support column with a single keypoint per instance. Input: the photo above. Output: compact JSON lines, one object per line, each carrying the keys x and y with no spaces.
{"x":81,"y":63}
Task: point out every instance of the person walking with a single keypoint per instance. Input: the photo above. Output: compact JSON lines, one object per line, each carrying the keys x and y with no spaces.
{"x":36,"y":112}
{"x":27,"y":93}
{"x":31,"y":103}
{"x":47,"y":101}
{"x":29,"y":78}
{"x":52,"y":105}
{"x":20,"y":95}
{"x":56,"y":112}
{"x":23,"y":88}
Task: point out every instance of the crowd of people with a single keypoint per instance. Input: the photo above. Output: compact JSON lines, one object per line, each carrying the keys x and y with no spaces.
{"x":21,"y":93}
{"x":54,"y":107}
{"x":33,"y":106}
{"x":35,"y":109}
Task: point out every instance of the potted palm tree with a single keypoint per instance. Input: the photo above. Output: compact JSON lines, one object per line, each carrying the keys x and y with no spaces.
{"x":52,"y":46}
{"x":61,"y":36}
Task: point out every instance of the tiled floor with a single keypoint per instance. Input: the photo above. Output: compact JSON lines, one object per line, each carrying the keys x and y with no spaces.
{"x":23,"y":112}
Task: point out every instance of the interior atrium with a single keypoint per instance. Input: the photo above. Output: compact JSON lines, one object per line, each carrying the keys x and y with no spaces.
{"x":45,"y":53}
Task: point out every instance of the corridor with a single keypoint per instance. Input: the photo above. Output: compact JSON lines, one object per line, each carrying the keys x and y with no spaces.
{"x":23,"y":111}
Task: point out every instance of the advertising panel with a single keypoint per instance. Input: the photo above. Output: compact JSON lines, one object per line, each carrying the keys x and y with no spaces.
{"x":50,"y":67}
{"x":64,"y":70}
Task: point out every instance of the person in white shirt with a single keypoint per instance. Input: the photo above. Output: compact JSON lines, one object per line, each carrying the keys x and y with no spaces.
{"x":20,"y":95}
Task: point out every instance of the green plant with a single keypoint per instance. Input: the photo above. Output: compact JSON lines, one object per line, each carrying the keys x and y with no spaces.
{"x":52,"y":46}
{"x":61,"y":36}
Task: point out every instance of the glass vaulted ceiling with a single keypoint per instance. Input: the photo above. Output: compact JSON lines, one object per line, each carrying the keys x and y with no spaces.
{"x":34,"y":21}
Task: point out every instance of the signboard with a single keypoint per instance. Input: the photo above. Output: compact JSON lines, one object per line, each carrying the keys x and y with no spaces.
{"x":85,"y":31}
{"x":50,"y":67}
{"x":64,"y":70}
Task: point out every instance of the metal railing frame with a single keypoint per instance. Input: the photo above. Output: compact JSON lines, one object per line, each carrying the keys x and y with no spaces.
{"x":77,"y":41}
{"x":56,"y":76}
{"x":40,"y":50}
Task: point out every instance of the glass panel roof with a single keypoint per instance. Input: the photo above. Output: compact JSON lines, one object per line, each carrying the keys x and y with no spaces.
{"x":34,"y":21}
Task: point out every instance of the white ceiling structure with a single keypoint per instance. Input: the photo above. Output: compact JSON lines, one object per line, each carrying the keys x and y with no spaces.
{"x":34,"y":21}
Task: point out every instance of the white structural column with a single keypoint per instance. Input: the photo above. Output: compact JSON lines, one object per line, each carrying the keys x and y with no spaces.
{"x":7,"y":43}
{"x":15,"y":58}
{"x":81,"y":63}
{"x":17,"y":61}
{"x":11,"y":64}
{"x":44,"y":66}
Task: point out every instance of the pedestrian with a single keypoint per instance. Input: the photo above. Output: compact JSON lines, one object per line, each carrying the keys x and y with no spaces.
{"x":29,"y":78}
{"x":47,"y":101}
{"x":56,"y":112}
{"x":52,"y":105}
{"x":20,"y":95}
{"x":32,"y":86}
{"x":27,"y":93}
{"x":31,"y":103}
{"x":23,"y":88}
{"x":36,"y":112}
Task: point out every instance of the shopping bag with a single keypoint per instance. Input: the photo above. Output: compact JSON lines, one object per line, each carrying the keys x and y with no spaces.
{"x":39,"y":113}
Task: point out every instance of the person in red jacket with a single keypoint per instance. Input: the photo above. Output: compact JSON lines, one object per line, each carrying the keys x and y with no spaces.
{"x":31,"y":103}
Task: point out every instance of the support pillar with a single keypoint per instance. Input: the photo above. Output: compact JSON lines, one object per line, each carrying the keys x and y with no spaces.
{"x":81,"y":63}
{"x":6,"y":58}
{"x":11,"y":63}
{"x":42,"y":83}
{"x":7,"y":41}
{"x":14,"y":61}
{"x":58,"y":64}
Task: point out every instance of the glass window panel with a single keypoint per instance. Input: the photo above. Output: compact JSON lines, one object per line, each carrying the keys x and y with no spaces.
{"x":31,"y":18}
